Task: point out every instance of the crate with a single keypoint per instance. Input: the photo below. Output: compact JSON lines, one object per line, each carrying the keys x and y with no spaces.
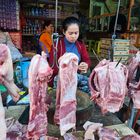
{"x":120,"y":49}
{"x":24,"y":69}
{"x":106,"y":41}
{"x":105,"y":48}
{"x":22,"y":75}
{"x":122,"y":57}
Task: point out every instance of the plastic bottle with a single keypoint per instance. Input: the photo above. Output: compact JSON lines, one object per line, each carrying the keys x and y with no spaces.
{"x":18,"y":75}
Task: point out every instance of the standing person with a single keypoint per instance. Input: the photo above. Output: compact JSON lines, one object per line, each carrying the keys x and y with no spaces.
{"x":45,"y":39}
{"x":69,"y":43}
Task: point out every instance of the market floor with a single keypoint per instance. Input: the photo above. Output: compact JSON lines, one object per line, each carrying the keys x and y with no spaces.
{"x":97,"y":116}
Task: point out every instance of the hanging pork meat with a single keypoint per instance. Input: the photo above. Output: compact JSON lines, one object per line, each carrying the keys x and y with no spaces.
{"x":134,"y":83}
{"x":6,"y":78}
{"x":65,"y":114}
{"x":39,"y":75}
{"x":6,"y":72}
{"x":108,"y":85}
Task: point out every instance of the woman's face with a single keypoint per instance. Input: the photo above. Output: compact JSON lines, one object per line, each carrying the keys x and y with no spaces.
{"x":72,"y":33}
{"x":50,"y":28}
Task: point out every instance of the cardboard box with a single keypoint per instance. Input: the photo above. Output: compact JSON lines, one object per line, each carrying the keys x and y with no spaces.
{"x":121,"y":52}
{"x":117,"y":58}
{"x":119,"y":42}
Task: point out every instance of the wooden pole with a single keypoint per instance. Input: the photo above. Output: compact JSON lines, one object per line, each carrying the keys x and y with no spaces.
{"x":131,"y":3}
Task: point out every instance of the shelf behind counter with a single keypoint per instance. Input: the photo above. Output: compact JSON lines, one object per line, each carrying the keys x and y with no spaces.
{"x":133,"y":36}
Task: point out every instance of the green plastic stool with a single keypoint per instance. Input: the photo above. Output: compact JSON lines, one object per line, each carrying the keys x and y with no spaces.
{"x":2,"y":88}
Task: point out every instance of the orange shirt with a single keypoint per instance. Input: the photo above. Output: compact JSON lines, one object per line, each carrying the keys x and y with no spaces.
{"x":46,"y":42}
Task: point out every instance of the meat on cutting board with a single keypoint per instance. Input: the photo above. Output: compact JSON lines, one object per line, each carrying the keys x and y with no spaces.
{"x":131,"y":137}
{"x":39,"y":75}
{"x":108,"y":134}
{"x":108,"y":85}
{"x":65,"y":113}
{"x":6,"y":78}
{"x":91,"y":128}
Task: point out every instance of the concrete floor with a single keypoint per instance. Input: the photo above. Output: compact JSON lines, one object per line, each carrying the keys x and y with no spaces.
{"x":14,"y":111}
{"x":107,"y":119}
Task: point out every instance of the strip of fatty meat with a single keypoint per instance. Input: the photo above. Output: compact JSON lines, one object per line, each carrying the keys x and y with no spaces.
{"x":134,"y":84}
{"x":108,"y":85}
{"x":39,"y":75}
{"x":6,"y":78}
{"x":65,"y":113}
{"x":131,"y":137}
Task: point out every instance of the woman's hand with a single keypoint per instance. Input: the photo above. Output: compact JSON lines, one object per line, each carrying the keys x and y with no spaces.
{"x":83,"y":67}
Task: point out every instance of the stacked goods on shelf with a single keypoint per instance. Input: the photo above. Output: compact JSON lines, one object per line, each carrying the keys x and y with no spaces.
{"x":9,"y":15}
{"x":32,"y":27}
{"x":40,"y":11}
{"x":114,"y":49}
{"x":33,"y":16}
{"x":27,"y":44}
{"x":134,"y":38}
{"x":105,"y":48}
{"x":120,"y":49}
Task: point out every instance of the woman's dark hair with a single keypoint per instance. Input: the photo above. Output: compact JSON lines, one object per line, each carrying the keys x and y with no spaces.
{"x":68,"y":21}
{"x":47,"y":23}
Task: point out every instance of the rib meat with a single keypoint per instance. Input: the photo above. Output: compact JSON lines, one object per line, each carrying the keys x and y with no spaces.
{"x":108,"y":85}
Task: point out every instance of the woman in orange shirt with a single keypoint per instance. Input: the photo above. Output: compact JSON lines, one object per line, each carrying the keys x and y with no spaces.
{"x":45,"y":40}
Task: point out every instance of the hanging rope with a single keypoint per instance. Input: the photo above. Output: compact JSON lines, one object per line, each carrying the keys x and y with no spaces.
{"x":55,"y":38}
{"x":115,"y":26}
{"x":56,"y":5}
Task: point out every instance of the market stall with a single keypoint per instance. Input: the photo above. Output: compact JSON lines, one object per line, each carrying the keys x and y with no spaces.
{"x":83,"y":103}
